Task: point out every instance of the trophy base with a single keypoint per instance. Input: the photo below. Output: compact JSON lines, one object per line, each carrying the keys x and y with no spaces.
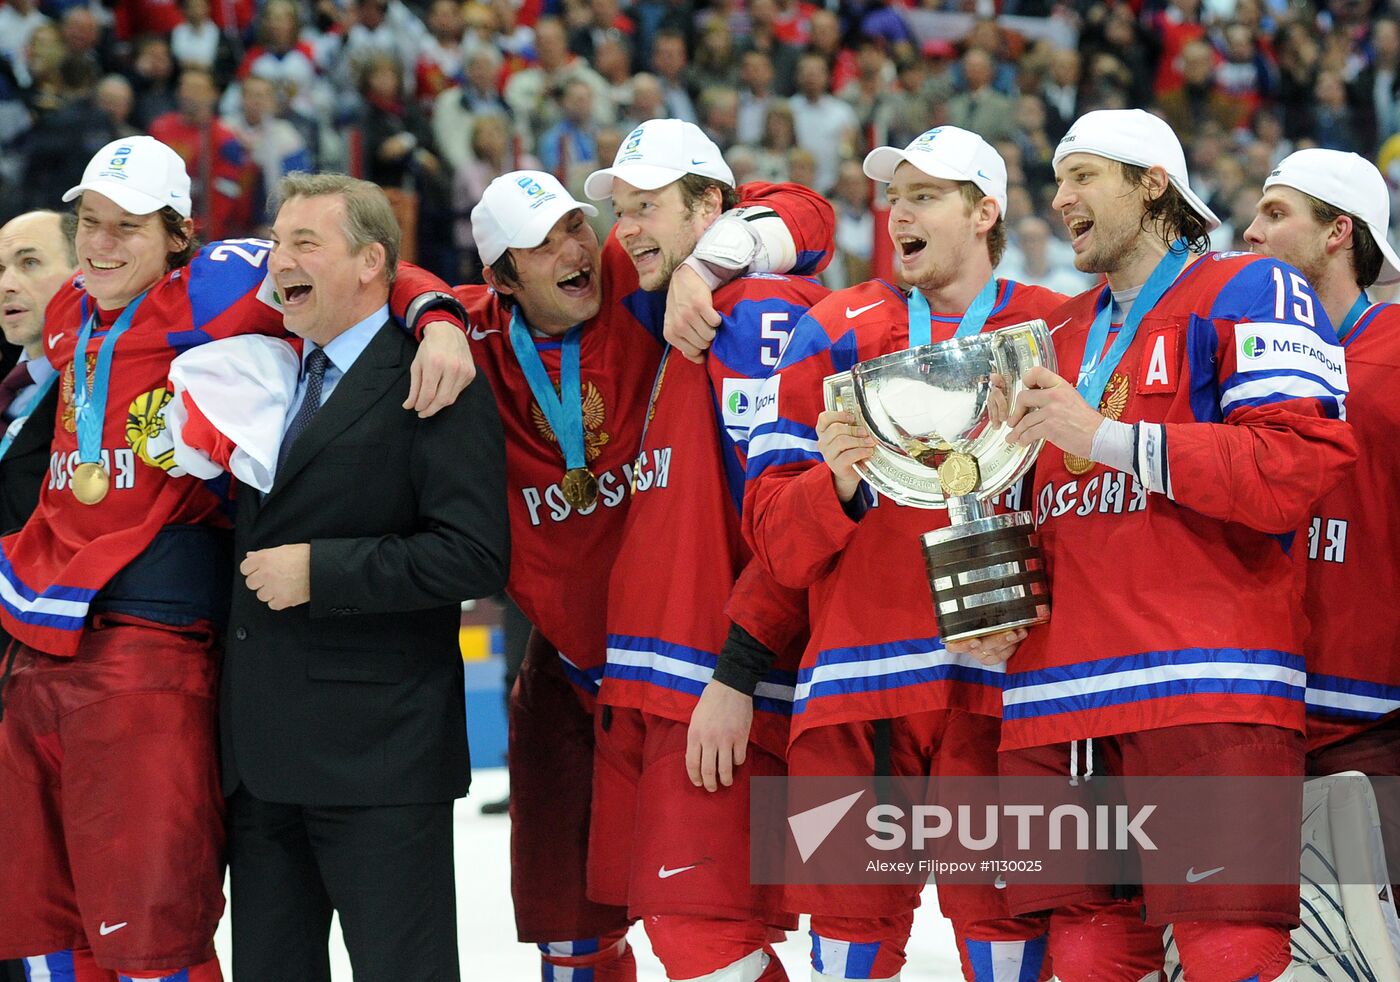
{"x":986,"y":576}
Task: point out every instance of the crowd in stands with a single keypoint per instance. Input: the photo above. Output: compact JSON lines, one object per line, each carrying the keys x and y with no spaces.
{"x":433,"y":98}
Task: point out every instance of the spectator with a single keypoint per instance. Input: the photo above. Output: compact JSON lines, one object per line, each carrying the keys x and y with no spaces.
{"x":116,"y":99}
{"x":18,"y":21}
{"x":779,"y":139}
{"x":1376,"y":87}
{"x":1033,"y":140}
{"x":197,"y":42}
{"x":456,"y":111}
{"x":1198,"y":99}
{"x":921,"y":94}
{"x":1035,"y":257}
{"x":981,"y":109}
{"x":1060,"y":90}
{"x":716,"y":60}
{"x":755,"y":95}
{"x":275,"y":145}
{"x":43,"y":58}
{"x":987,"y":37}
{"x":82,"y":36}
{"x":824,"y":38}
{"x":379,"y":27}
{"x":153,"y":81}
{"x":570,"y":145}
{"x":1333,"y":126}
{"x":802,"y":167}
{"x":719,"y":115}
{"x":440,"y":63}
{"x":648,"y":102}
{"x":1298,"y":59}
{"x":1175,"y":26}
{"x":602,"y":20}
{"x":868,"y":93}
{"x":743,"y":163}
{"x":221,"y":174}
{"x":61,"y":142}
{"x":398,"y":144}
{"x":612,"y":59}
{"x":763,"y":37}
{"x":533,"y":94}
{"x":504,"y":33}
{"x":827,"y":128}
{"x":855,"y":229}
{"x":668,"y":64}
{"x":493,"y":152}
{"x":285,"y":59}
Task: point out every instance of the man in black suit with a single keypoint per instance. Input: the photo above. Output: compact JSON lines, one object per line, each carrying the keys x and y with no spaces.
{"x":36,"y":258}
{"x":342,"y":707}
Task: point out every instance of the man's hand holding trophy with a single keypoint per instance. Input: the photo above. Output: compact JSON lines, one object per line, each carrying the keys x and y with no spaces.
{"x":953,"y":425}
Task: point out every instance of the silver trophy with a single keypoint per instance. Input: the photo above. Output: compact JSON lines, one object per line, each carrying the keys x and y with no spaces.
{"x":938,"y":414}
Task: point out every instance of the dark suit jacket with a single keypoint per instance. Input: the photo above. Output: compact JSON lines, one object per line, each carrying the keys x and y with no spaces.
{"x":356,"y":698}
{"x":25,"y":465}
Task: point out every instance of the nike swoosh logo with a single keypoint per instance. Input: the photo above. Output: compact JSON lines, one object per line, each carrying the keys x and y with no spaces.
{"x":54,"y":339}
{"x":664,"y":873}
{"x":1059,"y":325}
{"x":478,"y":334}
{"x":1193,"y":877}
{"x":860,"y":310}
{"x":696,"y":162}
{"x":105,"y":929}
{"x":983,"y":176}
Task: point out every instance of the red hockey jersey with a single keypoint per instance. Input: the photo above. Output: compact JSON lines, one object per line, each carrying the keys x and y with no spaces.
{"x":682,"y":548}
{"x":1352,"y":558}
{"x":561,"y":557}
{"x":874,"y":651}
{"x":51,"y":570}
{"x":1180,"y":607}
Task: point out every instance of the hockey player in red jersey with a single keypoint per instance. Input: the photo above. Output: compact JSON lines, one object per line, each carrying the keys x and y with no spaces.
{"x":561,"y":303}
{"x":876,"y":683}
{"x":1218,"y":430}
{"x":108,"y":788}
{"x":1328,"y":213}
{"x":680,"y":556}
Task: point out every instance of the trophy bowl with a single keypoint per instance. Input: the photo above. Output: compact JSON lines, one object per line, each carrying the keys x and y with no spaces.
{"x":938,"y":415}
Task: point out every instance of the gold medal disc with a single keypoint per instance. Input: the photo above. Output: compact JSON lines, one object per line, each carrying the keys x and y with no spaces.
{"x":1077,"y":465}
{"x":959,"y":474}
{"x":580,"y":487}
{"x":90,"y":483}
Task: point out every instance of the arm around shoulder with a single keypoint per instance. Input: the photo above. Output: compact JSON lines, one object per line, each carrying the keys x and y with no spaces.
{"x":461,"y":548}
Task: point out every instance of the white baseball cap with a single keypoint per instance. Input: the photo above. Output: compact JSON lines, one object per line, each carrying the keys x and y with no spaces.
{"x":1133,"y":136}
{"x":947,"y":152}
{"x":518,"y":209}
{"x":1349,"y":182}
{"x":657,"y":153}
{"x":140,"y":174}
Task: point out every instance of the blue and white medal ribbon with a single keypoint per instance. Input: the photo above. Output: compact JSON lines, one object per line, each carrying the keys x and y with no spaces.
{"x":562,"y":408}
{"x":90,"y":481}
{"x":1097,"y":367}
{"x":973,"y":319}
{"x":1359,"y":307}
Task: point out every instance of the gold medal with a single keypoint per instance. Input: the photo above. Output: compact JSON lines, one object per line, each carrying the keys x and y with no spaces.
{"x":1077,"y":465}
{"x":1114,"y":401}
{"x":90,"y":483}
{"x":958,"y":474}
{"x":580,"y":487}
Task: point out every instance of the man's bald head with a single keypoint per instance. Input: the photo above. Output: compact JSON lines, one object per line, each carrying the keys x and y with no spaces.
{"x":36,"y":258}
